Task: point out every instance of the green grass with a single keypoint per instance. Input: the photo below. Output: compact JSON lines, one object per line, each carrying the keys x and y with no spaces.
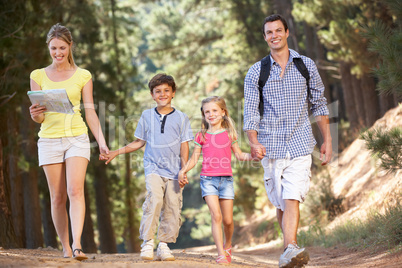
{"x":379,"y":230}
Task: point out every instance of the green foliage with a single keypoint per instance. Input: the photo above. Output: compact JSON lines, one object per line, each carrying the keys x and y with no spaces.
{"x":385,"y":39}
{"x":244,"y":198}
{"x":278,"y":229}
{"x":340,"y":24}
{"x":321,"y":203}
{"x":386,"y":145}
{"x":197,"y":228}
{"x":262,"y":228}
{"x":379,"y":230}
{"x":313,"y":236}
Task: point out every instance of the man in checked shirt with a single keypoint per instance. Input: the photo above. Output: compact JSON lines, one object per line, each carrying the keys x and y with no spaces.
{"x":283,"y":138}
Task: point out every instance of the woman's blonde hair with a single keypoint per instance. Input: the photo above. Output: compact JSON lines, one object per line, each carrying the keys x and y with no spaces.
{"x":61,"y":32}
{"x":227,"y":123}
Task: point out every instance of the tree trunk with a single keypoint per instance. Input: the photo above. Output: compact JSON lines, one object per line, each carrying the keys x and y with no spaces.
{"x":386,"y":103}
{"x":33,"y":225}
{"x":50,"y":233}
{"x":310,"y":41}
{"x":370,"y":100}
{"x":397,"y":99}
{"x":8,"y":239}
{"x":320,"y":59}
{"x":337,"y":94}
{"x":133,"y":242}
{"x":284,"y":7}
{"x":88,"y":239}
{"x":15,"y":181}
{"x":106,"y":233}
{"x":358,"y":100}
{"x":347,"y":89}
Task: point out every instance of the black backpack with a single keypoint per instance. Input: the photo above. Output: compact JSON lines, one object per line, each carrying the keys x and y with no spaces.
{"x":264,"y":74}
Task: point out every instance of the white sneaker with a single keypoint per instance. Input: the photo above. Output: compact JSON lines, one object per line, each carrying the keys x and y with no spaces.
{"x":163,"y":252}
{"x":147,"y":250}
{"x":294,"y":256}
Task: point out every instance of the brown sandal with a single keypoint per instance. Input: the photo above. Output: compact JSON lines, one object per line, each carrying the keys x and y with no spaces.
{"x":79,"y":257}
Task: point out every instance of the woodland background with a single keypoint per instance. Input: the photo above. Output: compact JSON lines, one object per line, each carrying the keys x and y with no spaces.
{"x":208,"y":47}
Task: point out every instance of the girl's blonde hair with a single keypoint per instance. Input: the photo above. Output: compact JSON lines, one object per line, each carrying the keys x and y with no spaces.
{"x":227,"y":123}
{"x":61,"y":32}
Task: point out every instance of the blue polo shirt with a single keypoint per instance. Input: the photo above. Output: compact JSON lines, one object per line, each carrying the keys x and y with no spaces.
{"x":164,"y":135}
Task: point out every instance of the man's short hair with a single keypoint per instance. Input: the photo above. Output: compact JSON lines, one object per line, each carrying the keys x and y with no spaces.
{"x":274,"y":17}
{"x":161,"y":79}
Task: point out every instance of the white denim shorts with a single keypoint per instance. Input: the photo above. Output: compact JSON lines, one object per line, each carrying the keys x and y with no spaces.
{"x":57,"y":150}
{"x":287,"y":179}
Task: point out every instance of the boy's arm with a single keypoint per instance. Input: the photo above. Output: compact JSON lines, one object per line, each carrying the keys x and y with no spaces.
{"x":189,"y":165}
{"x":131,"y":147}
{"x":239,"y":154}
{"x":184,"y":153}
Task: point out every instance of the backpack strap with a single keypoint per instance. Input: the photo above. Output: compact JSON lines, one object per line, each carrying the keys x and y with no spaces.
{"x":304,"y":72}
{"x":264,"y":74}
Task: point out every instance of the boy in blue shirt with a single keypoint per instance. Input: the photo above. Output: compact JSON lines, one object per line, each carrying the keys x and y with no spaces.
{"x":166,"y":132}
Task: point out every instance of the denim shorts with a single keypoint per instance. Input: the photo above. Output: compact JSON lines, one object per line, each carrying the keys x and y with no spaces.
{"x":222,"y":186}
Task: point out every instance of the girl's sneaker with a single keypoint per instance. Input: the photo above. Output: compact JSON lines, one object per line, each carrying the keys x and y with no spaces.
{"x":222,"y":260}
{"x":229,"y":252}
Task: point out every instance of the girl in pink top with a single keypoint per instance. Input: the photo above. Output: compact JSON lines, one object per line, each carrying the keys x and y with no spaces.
{"x":216,"y":140}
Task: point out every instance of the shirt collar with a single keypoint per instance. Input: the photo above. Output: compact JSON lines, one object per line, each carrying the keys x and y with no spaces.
{"x":292,"y":54}
{"x":156,"y":110}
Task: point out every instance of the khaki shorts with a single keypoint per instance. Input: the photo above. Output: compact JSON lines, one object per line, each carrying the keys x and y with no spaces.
{"x":287,"y":179}
{"x":57,"y":150}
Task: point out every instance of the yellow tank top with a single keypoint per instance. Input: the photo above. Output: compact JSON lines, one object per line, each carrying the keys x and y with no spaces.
{"x":57,"y":125}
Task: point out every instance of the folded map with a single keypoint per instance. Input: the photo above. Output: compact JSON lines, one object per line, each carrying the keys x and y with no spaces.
{"x":55,"y":100}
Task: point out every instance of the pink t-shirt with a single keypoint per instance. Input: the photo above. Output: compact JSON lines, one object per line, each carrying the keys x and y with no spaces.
{"x":216,"y":153}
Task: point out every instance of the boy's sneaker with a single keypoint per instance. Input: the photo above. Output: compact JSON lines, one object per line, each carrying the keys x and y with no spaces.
{"x":163,"y":252}
{"x":294,"y":256}
{"x":222,"y":259}
{"x":147,"y":250}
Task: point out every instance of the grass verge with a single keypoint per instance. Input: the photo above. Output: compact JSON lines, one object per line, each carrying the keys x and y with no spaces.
{"x":378,"y":231}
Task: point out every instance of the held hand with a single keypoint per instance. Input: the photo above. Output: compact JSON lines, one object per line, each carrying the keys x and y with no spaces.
{"x":326,"y":149}
{"x":257,"y":151}
{"x":36,"y":109}
{"x":110,"y":156}
{"x":103,"y":157}
{"x":104,"y":151}
{"x":182,"y":179}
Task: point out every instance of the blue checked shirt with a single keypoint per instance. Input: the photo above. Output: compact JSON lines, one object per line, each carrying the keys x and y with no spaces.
{"x":285,"y":126}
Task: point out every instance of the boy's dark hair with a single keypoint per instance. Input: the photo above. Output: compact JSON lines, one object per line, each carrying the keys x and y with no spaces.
{"x":161,"y":79}
{"x":274,"y":17}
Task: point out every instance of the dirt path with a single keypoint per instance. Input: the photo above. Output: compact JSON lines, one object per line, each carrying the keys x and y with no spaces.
{"x":200,"y":258}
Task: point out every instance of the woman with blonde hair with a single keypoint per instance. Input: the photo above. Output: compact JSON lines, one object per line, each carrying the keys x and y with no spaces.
{"x":63,"y":145}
